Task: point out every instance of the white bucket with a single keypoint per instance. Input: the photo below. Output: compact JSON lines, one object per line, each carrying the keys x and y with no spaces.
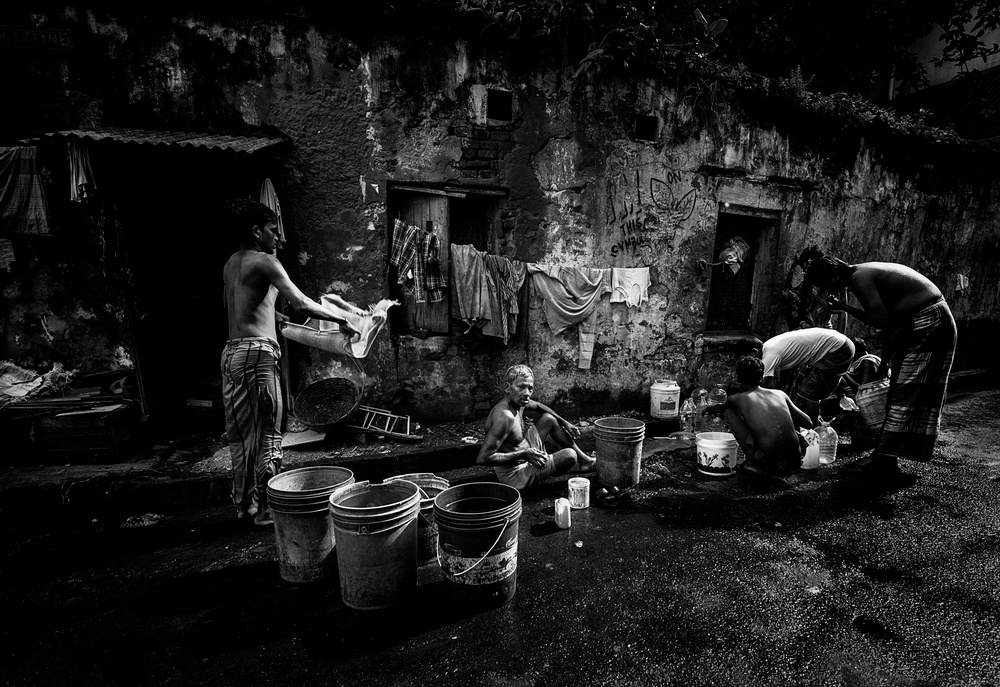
{"x":717,"y":453}
{"x":664,"y":399}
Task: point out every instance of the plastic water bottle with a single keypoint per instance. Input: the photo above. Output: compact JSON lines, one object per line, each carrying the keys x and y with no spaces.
{"x":827,"y":443}
{"x":700,"y":398}
{"x":717,"y":396}
{"x":688,"y":410}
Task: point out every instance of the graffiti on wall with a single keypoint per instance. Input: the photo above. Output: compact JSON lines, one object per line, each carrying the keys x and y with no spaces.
{"x":640,"y":210}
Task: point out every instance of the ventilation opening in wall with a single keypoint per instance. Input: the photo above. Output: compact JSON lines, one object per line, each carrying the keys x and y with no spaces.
{"x":742,"y":299}
{"x":647,"y":127}
{"x":452,"y":219}
{"x":499,"y":105}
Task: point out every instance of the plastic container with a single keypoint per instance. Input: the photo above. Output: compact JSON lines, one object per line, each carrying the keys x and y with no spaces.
{"x":619,"y":450}
{"x":687,"y":413}
{"x":477,"y":541}
{"x":563,"y":513}
{"x":376,"y":527}
{"x":427,"y":533}
{"x":827,"y":443}
{"x":810,"y":461}
{"x":717,"y":453}
{"x":716,"y":423}
{"x":303,"y":530}
{"x":579,"y":492}
{"x":664,"y":399}
{"x":700,"y":398}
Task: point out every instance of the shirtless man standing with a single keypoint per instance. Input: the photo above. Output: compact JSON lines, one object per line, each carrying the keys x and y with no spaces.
{"x":251,"y":395}
{"x":515,"y":449}
{"x":763,"y":421}
{"x":919,"y":348}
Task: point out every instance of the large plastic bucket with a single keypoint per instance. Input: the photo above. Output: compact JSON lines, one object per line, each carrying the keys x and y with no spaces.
{"x":427,"y":532}
{"x":664,"y":399}
{"x":376,"y":528}
{"x":477,"y":541}
{"x":303,"y":530}
{"x":717,"y":453}
{"x":618,"y":446}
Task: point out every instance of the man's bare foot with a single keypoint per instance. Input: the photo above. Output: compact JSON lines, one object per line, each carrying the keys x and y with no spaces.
{"x":263,"y":518}
{"x":585,"y":463}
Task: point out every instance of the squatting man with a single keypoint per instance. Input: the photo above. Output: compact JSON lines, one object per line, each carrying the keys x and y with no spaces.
{"x":515,"y":448}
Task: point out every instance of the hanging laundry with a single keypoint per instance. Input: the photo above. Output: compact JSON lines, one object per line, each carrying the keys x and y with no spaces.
{"x":404,"y":250}
{"x":630,"y":285}
{"x":22,"y":197}
{"x":81,"y":176}
{"x":269,"y":197}
{"x":430,"y":254}
{"x":570,"y":296}
{"x":733,"y":254}
{"x":470,"y":295}
{"x":504,"y":280}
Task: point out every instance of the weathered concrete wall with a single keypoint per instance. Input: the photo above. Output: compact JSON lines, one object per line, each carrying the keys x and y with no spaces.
{"x":581,"y":192}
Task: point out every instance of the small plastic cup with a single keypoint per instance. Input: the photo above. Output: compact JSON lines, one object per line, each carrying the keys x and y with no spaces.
{"x":579,"y":492}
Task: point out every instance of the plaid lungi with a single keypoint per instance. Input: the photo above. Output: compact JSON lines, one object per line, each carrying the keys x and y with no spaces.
{"x":919,"y":384}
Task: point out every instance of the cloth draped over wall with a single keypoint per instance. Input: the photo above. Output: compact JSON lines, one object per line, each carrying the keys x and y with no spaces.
{"x":23,"y":206}
{"x":486,"y":290}
{"x":570,"y":296}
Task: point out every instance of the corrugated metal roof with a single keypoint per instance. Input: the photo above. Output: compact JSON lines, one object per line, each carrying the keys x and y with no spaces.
{"x":242,"y":144}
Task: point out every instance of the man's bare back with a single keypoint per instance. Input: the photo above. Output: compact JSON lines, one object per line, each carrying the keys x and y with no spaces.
{"x":770,"y":418}
{"x":250,"y":295}
{"x":891,"y":293}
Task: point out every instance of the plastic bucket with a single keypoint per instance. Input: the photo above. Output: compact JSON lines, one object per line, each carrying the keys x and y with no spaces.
{"x":664,"y":399}
{"x":427,"y":532}
{"x":477,"y":541}
{"x":618,"y":445}
{"x":303,"y":530}
{"x":579,"y":492}
{"x":716,"y":453}
{"x":376,"y":528}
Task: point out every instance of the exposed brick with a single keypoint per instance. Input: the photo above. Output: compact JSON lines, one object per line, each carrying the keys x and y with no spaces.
{"x":487,"y":154}
{"x":501,"y":135}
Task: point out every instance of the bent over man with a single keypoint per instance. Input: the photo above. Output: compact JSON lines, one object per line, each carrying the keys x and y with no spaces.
{"x":251,"y":395}
{"x":920,"y":347}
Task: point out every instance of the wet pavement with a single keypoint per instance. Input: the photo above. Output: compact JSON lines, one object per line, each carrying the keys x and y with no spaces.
{"x":692,"y":580}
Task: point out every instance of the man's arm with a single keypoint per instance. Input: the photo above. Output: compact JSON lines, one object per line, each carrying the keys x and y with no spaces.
{"x":799,"y":418}
{"x":276,"y":274}
{"x":489,"y":453}
{"x":572,"y":430}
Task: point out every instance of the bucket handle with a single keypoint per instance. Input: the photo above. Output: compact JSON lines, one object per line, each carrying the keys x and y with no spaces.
{"x":469,"y":569}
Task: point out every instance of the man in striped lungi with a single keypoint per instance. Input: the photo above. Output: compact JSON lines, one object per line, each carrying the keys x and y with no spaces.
{"x":251,"y":394}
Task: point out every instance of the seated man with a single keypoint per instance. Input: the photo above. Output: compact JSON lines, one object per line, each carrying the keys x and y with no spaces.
{"x":763,"y":421}
{"x":516,"y":449}
{"x":826,"y":354}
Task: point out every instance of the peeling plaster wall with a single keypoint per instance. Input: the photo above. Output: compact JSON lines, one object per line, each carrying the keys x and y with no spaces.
{"x":581,"y":192}
{"x":584,"y":193}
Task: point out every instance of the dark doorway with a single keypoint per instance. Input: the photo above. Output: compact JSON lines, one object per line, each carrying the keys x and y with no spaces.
{"x":734,"y":297}
{"x":171,"y":212}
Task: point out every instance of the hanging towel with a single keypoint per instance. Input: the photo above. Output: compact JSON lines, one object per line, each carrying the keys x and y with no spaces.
{"x":570,"y":296}
{"x":470,"y":295}
{"x":269,"y":197}
{"x":81,"y":176}
{"x":22,"y":196}
{"x":630,"y":285}
{"x":326,"y":335}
